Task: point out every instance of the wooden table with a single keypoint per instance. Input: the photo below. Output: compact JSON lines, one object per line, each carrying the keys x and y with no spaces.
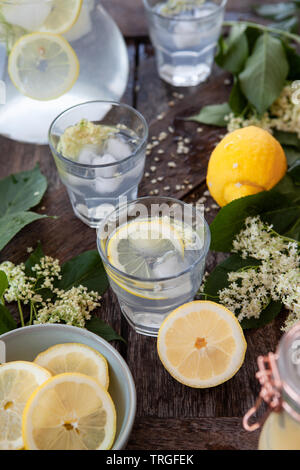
{"x":169,"y":415}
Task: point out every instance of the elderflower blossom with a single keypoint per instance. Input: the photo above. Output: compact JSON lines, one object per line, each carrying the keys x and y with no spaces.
{"x":20,"y":286}
{"x":72,"y":307}
{"x":284,"y":115}
{"x":49,"y":269}
{"x":277,"y":277}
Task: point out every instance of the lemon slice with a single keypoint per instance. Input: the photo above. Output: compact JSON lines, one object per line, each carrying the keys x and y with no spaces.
{"x":133,"y":247}
{"x":26,"y":14}
{"x":17,"y":382}
{"x":62,"y":17}
{"x":74,"y":357}
{"x":43,"y":66}
{"x":69,"y":412}
{"x":201,"y":344}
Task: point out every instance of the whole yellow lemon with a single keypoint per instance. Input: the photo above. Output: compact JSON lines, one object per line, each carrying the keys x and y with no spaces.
{"x":247,"y":161}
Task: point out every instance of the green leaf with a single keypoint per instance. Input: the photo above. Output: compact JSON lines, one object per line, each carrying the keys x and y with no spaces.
{"x":22,"y":191}
{"x":287,"y":138}
{"x":218,"y":280}
{"x":290,"y":24}
{"x":213,"y":115}
{"x":267,"y":315}
{"x":7,"y":323}
{"x":11,"y":224}
{"x":234,"y":51}
{"x":100,"y":328}
{"x":280,"y":206}
{"x":237,"y":100}
{"x":293,"y":60}
{"x":34,"y":259}
{"x":294,"y":171}
{"x":86,"y":269}
{"x":18,"y":194}
{"x":294,"y":231}
{"x":3,"y":283}
{"x":265,"y":72}
{"x":277,"y":11}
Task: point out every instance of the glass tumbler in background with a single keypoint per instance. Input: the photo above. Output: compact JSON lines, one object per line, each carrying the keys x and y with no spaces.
{"x":97,"y":178}
{"x":184,"y":35}
{"x":154,"y":252}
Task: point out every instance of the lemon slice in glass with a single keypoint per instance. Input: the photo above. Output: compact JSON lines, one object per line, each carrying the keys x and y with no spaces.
{"x":135,"y":247}
{"x":18,"y":380}
{"x":74,"y":357}
{"x":69,"y":412}
{"x":43,"y":66}
{"x":63,"y":15}
{"x":201,"y":344}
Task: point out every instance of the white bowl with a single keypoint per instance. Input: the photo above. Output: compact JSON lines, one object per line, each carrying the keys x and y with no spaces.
{"x":26,"y":343}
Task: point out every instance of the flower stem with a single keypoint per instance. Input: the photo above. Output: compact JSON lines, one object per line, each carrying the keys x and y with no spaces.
{"x":268,"y":29}
{"x":21,"y":313}
{"x":31,"y":313}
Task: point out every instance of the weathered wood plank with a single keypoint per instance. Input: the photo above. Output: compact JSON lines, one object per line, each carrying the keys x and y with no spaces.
{"x":191,"y":434}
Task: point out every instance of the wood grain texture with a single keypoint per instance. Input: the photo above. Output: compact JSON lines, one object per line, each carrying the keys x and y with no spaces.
{"x":203,"y":434}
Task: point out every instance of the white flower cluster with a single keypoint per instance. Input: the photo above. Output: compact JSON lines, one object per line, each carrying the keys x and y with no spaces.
{"x":49,"y":269}
{"x":20,"y":286}
{"x":72,"y":307}
{"x":277,"y":277}
{"x":284,"y":115}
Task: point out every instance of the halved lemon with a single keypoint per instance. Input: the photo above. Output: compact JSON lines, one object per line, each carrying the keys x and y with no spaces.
{"x":69,"y":412}
{"x":43,"y":66}
{"x":63,"y":15}
{"x":132,"y":246}
{"x":17,"y":382}
{"x":75,"y":357}
{"x":201,"y":344}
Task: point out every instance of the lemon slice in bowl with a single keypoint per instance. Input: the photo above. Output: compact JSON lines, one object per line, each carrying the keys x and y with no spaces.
{"x":43,"y":66}
{"x":17,"y":382}
{"x":134,"y":247}
{"x":75,"y":357}
{"x":201,"y":344}
{"x":69,"y":412}
{"x":62,"y":17}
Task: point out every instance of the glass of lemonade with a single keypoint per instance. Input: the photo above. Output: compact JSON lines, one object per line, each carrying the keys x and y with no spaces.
{"x":55,"y":54}
{"x":154,"y":252}
{"x":184,"y":34}
{"x":99,"y":149}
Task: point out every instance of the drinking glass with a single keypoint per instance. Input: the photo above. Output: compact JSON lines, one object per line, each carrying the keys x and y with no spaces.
{"x":146,"y":301}
{"x":54,"y":55}
{"x":95,"y":183}
{"x":185,"y":39}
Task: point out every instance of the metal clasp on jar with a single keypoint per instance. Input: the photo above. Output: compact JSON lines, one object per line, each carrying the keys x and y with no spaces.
{"x":270,"y":393}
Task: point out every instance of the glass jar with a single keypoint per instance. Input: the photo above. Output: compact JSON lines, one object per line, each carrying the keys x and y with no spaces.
{"x":279,"y":375}
{"x":55,"y":54}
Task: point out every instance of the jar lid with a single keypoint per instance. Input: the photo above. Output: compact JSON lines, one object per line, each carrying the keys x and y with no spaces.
{"x":288,"y":362}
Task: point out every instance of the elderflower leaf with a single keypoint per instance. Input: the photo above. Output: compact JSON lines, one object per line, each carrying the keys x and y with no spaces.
{"x":280,"y":206}
{"x":3,"y":283}
{"x":34,"y":259}
{"x":100,"y":328}
{"x":265,"y":72}
{"x":213,"y":115}
{"x":7,"y":322}
{"x":19,"y":193}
